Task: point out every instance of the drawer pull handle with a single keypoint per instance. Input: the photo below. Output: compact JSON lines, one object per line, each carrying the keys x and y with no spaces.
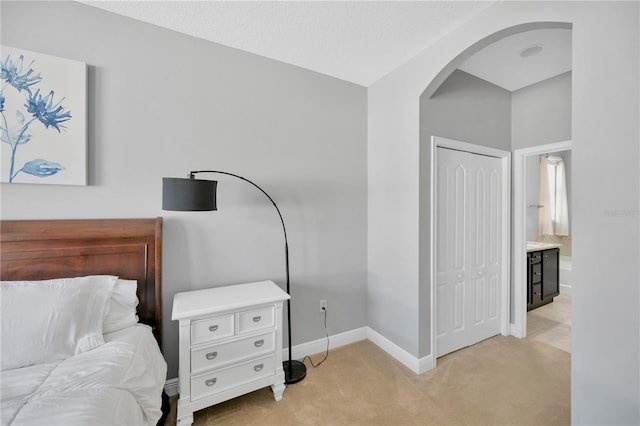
{"x":258,"y":367}
{"x":259,"y":343}
{"x":212,"y":355}
{"x":257,"y":318}
{"x":211,"y":382}
{"x":213,"y":327}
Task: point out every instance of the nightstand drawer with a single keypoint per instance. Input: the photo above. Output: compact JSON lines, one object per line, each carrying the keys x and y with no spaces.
{"x":216,"y":355}
{"x":211,"y":329}
{"x":219,"y":380}
{"x":255,"y":320}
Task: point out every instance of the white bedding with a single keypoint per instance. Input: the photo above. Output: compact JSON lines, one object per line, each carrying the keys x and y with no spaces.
{"x":118,"y":383}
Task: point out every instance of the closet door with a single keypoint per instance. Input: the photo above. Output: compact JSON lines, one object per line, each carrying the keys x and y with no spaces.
{"x":468,"y":245}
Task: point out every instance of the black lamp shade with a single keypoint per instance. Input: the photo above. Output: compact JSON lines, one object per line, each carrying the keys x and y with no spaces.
{"x":188,"y":194}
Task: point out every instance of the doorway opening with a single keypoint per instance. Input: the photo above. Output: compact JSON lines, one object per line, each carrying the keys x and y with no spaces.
{"x":457,"y":105}
{"x":533,"y":240}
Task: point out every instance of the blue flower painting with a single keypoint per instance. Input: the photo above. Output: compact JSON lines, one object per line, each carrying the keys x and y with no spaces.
{"x":42,"y":118}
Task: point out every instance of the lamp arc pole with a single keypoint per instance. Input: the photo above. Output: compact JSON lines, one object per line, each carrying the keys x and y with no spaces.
{"x":294,"y":370}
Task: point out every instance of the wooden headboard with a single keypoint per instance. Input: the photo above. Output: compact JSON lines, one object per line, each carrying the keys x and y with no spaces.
{"x":128,"y":248}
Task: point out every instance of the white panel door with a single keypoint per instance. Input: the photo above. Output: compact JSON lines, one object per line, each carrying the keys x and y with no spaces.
{"x":468,"y":249}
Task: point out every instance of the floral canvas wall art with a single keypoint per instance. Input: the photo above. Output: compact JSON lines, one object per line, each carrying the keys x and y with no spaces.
{"x":43,"y":118}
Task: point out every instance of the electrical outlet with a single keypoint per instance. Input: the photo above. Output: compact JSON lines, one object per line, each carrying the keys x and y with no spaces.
{"x":323,"y":305}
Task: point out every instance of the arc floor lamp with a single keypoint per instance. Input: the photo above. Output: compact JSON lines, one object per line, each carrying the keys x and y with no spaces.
{"x":191,"y":194}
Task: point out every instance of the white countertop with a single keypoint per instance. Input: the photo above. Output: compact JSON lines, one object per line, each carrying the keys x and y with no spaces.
{"x":538,"y":246}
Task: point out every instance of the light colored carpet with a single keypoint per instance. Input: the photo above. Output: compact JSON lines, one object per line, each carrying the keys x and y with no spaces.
{"x":500,"y":381}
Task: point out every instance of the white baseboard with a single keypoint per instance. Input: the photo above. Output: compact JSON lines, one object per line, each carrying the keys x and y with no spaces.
{"x":516,"y":331}
{"x":320,"y":345}
{"x":171,"y":387}
{"x":417,"y":365}
{"x":426,"y":363}
{"x":565,"y":289}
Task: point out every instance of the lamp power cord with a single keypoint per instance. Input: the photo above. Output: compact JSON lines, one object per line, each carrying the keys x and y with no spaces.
{"x":326,"y":355}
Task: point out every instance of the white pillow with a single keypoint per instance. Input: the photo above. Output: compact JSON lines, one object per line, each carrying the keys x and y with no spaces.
{"x":48,"y":321}
{"x":121,"y":312}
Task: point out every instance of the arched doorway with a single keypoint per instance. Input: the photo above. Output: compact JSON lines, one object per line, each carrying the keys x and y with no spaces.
{"x":495,"y":135}
{"x":605,"y":132}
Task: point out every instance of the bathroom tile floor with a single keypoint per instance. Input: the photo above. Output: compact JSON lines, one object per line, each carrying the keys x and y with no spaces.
{"x":551,"y":324}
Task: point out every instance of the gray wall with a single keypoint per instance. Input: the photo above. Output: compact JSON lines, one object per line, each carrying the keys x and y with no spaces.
{"x":467,"y":109}
{"x":161,"y":104}
{"x":541,"y":113}
{"x":605,"y":366}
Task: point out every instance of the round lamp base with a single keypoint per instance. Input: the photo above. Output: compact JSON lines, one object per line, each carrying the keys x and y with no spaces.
{"x":296,"y":374}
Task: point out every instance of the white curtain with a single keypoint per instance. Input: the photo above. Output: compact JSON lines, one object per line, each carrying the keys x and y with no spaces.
{"x":545,"y":225}
{"x":561,"y":224}
{"x":554,"y":212}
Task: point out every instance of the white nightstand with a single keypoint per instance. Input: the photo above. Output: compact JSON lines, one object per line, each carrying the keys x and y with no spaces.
{"x":230,"y":344}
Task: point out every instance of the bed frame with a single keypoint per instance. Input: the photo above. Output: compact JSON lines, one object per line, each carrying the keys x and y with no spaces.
{"x":128,"y":248}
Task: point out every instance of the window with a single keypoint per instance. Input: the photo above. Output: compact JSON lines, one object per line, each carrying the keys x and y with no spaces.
{"x":554,"y":218}
{"x":554,"y":181}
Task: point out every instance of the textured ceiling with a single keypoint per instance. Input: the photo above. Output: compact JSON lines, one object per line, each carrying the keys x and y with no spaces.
{"x":357,"y":41}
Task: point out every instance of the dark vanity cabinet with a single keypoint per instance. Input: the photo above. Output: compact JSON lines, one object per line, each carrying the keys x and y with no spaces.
{"x":543,"y":277}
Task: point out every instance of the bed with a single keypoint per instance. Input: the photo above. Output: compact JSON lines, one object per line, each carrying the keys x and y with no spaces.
{"x":76,"y":350}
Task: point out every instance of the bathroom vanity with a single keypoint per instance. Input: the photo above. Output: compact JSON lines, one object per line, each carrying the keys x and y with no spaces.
{"x":543,"y":274}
